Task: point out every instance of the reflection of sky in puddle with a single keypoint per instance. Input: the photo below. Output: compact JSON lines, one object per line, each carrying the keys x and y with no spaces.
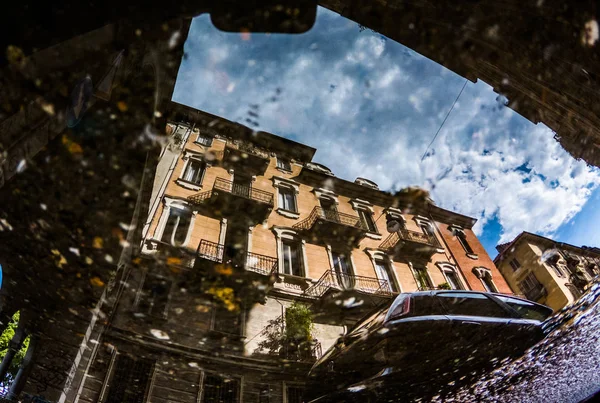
{"x":371,"y":106}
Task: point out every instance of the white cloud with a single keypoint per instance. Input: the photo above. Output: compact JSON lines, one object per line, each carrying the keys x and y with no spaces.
{"x":353,"y":96}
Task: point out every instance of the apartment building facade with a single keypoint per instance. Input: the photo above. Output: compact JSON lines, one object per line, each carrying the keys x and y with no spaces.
{"x":545,"y":271}
{"x":241,"y":226}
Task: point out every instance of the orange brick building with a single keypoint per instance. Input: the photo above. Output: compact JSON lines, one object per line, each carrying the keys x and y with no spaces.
{"x":241,"y":225}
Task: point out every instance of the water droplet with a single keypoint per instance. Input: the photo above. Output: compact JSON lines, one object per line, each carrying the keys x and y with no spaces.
{"x":159,"y":334}
{"x":357,"y":388}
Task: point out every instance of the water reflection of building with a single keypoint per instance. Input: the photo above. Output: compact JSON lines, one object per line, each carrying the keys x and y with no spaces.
{"x":549,"y":272}
{"x":62,"y":229}
{"x":241,"y":225}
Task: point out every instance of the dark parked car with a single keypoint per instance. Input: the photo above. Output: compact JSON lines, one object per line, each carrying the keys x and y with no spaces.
{"x":435,"y":337}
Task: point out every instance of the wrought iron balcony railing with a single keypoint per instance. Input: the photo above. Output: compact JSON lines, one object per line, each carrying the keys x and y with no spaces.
{"x":237,"y":189}
{"x":411,"y":236}
{"x":170,"y":254}
{"x":211,"y":251}
{"x":251,"y":261}
{"x":333,"y":279}
{"x":242,"y":190}
{"x":303,"y":352}
{"x":261,"y":264}
{"x":330,"y":216}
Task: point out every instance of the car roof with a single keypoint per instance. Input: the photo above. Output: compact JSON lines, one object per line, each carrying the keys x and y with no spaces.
{"x":493,"y":294}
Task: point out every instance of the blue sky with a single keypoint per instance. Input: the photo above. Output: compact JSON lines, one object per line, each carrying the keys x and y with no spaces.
{"x":371,"y":106}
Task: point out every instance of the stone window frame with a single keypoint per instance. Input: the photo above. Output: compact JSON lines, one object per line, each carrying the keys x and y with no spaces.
{"x":287,"y":384}
{"x":138,"y":294}
{"x":169,"y":203}
{"x":205,"y":133}
{"x":348,"y":253}
{"x":179,"y":143}
{"x":378,"y":255}
{"x":480,"y":273}
{"x":518,"y":264}
{"x":282,"y":233}
{"x":283,"y":161}
{"x":242,"y":318}
{"x":397,"y":214}
{"x":424,"y":221}
{"x":364,"y":205}
{"x":187,"y":157}
{"x":450,"y":267}
{"x":460,"y":235}
{"x":325,"y":194}
{"x":204,"y":373}
{"x":289,"y":184}
{"x":322,"y":193}
{"x":413,"y":272}
{"x":109,"y":377}
{"x":558,"y":266}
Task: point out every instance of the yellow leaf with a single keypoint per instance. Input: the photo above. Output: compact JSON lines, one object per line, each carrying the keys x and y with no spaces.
{"x":173,"y":261}
{"x":223,"y":269}
{"x":98,"y":243}
{"x":96,"y":282}
{"x":202,"y":308}
{"x":122,"y":106}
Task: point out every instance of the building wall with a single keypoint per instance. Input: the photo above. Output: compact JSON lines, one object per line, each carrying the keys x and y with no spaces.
{"x":528,"y":256}
{"x":263,"y":239}
{"x":186,"y":333}
{"x":533,"y":254}
{"x":467,"y":264}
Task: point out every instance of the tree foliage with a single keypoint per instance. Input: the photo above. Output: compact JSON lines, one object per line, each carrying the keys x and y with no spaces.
{"x":5,"y":339}
{"x":290,"y":335}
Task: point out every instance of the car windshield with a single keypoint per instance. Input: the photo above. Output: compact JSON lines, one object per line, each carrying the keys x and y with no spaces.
{"x":219,"y":201}
{"x":526,"y":309}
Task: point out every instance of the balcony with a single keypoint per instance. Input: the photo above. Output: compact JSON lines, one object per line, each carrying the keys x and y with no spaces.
{"x":333,"y":226}
{"x":309,"y":353}
{"x":346,"y":295}
{"x":407,"y":243}
{"x":238,"y":154}
{"x":168,"y":254}
{"x":252,"y":262}
{"x":250,"y":275}
{"x":227,"y":198}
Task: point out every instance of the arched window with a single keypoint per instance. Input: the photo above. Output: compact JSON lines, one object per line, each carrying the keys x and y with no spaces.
{"x":329,"y":207}
{"x":341,"y":264}
{"x":176,"y":223}
{"x":555,"y":262}
{"x":192,"y":173}
{"x":292,"y":257}
{"x":422,"y":277}
{"x":460,"y":235}
{"x":485,"y":276}
{"x":384,"y":269}
{"x":286,"y":190}
{"x":428,"y":230}
{"x":452,"y":276}
{"x":364,"y":209}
